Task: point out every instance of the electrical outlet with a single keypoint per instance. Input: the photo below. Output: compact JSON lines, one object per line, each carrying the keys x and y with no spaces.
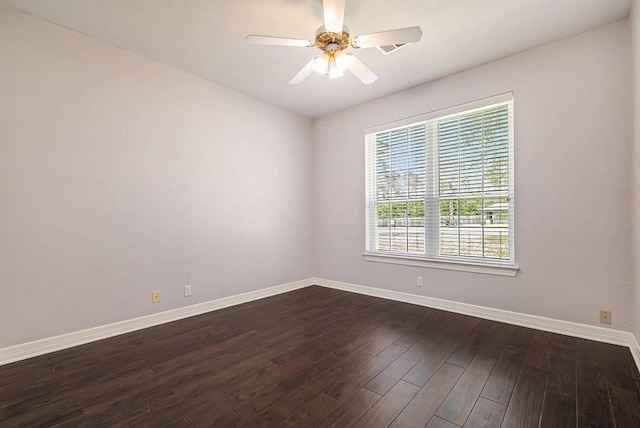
{"x":187,"y":290}
{"x":605,"y":317}
{"x":418,"y":281}
{"x":155,"y":296}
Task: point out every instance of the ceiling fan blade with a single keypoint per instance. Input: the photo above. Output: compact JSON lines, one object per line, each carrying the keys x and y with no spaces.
{"x":277,"y":41}
{"x":333,"y":15}
{"x":391,"y":37}
{"x":303,"y":74}
{"x":361,"y":71}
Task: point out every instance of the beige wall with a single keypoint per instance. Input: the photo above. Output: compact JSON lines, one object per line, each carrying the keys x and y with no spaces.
{"x":119,"y":176}
{"x":572,"y":182}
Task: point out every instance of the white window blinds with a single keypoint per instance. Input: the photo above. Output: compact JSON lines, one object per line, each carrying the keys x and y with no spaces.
{"x":442,"y":185}
{"x":400,"y":189}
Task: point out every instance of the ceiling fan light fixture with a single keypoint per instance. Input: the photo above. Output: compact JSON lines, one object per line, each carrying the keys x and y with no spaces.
{"x":331,"y":63}
{"x":321,"y":64}
{"x":343,"y":61}
{"x":333,"y":38}
{"x":334,"y":69}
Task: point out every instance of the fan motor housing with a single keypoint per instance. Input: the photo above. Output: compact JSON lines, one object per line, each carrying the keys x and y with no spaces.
{"x":327,"y":41}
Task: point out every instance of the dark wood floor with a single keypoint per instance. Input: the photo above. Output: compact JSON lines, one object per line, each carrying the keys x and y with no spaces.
{"x":321,"y":357}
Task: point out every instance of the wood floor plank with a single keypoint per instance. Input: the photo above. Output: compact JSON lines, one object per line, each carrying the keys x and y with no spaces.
{"x":155,"y":412}
{"x":206,"y":418}
{"x":55,"y":413}
{"x":436,"y":422}
{"x":317,"y":344}
{"x":183,"y":423}
{"x":460,"y":401}
{"x":626,"y":407}
{"x":301,"y":412}
{"x":109,"y":394}
{"x":311,"y":412}
{"x":141,"y":403}
{"x":383,"y":341}
{"x":427,"y":401}
{"x":561,"y":378}
{"x":388,"y":377}
{"x":360,"y":341}
{"x":250,"y":407}
{"x":525,"y":406}
{"x":357,"y":378}
{"x":30,"y":398}
{"x":592,"y":396}
{"x":351,"y":410}
{"x":487,"y":414}
{"x":322,"y":357}
{"x":561,"y":350}
{"x":469,"y":347}
{"x":430,"y":322}
{"x":618,"y":367}
{"x":502,"y":380}
{"x":206,"y":412}
{"x":558,"y":411}
{"x":303,"y":406}
{"x":520,"y":338}
{"x":537,"y":356}
{"x":267,"y":389}
{"x":385,"y":410}
{"x":198,"y":385}
{"x":435,"y":357}
{"x":457,"y":325}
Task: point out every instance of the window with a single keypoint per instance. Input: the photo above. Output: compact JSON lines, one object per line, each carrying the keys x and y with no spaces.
{"x":440,"y":186}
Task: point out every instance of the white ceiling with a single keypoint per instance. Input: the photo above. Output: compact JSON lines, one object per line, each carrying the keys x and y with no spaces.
{"x":206,"y":38}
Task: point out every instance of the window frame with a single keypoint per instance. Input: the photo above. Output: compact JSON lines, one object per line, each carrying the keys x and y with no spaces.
{"x":431,"y":258}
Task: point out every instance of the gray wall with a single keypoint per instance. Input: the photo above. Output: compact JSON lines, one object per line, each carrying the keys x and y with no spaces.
{"x":635,"y":118}
{"x":119,"y":176}
{"x":572,"y":182}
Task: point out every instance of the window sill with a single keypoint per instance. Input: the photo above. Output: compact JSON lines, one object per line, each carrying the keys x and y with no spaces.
{"x":488,"y":268}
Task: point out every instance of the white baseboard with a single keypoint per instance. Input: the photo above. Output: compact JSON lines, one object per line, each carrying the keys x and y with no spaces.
{"x":568,"y":328}
{"x":56,"y":343}
{"x":634,"y":347}
{"x":52,"y":344}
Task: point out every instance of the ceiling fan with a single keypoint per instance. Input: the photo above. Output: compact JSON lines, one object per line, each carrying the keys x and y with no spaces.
{"x":333,"y":39}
